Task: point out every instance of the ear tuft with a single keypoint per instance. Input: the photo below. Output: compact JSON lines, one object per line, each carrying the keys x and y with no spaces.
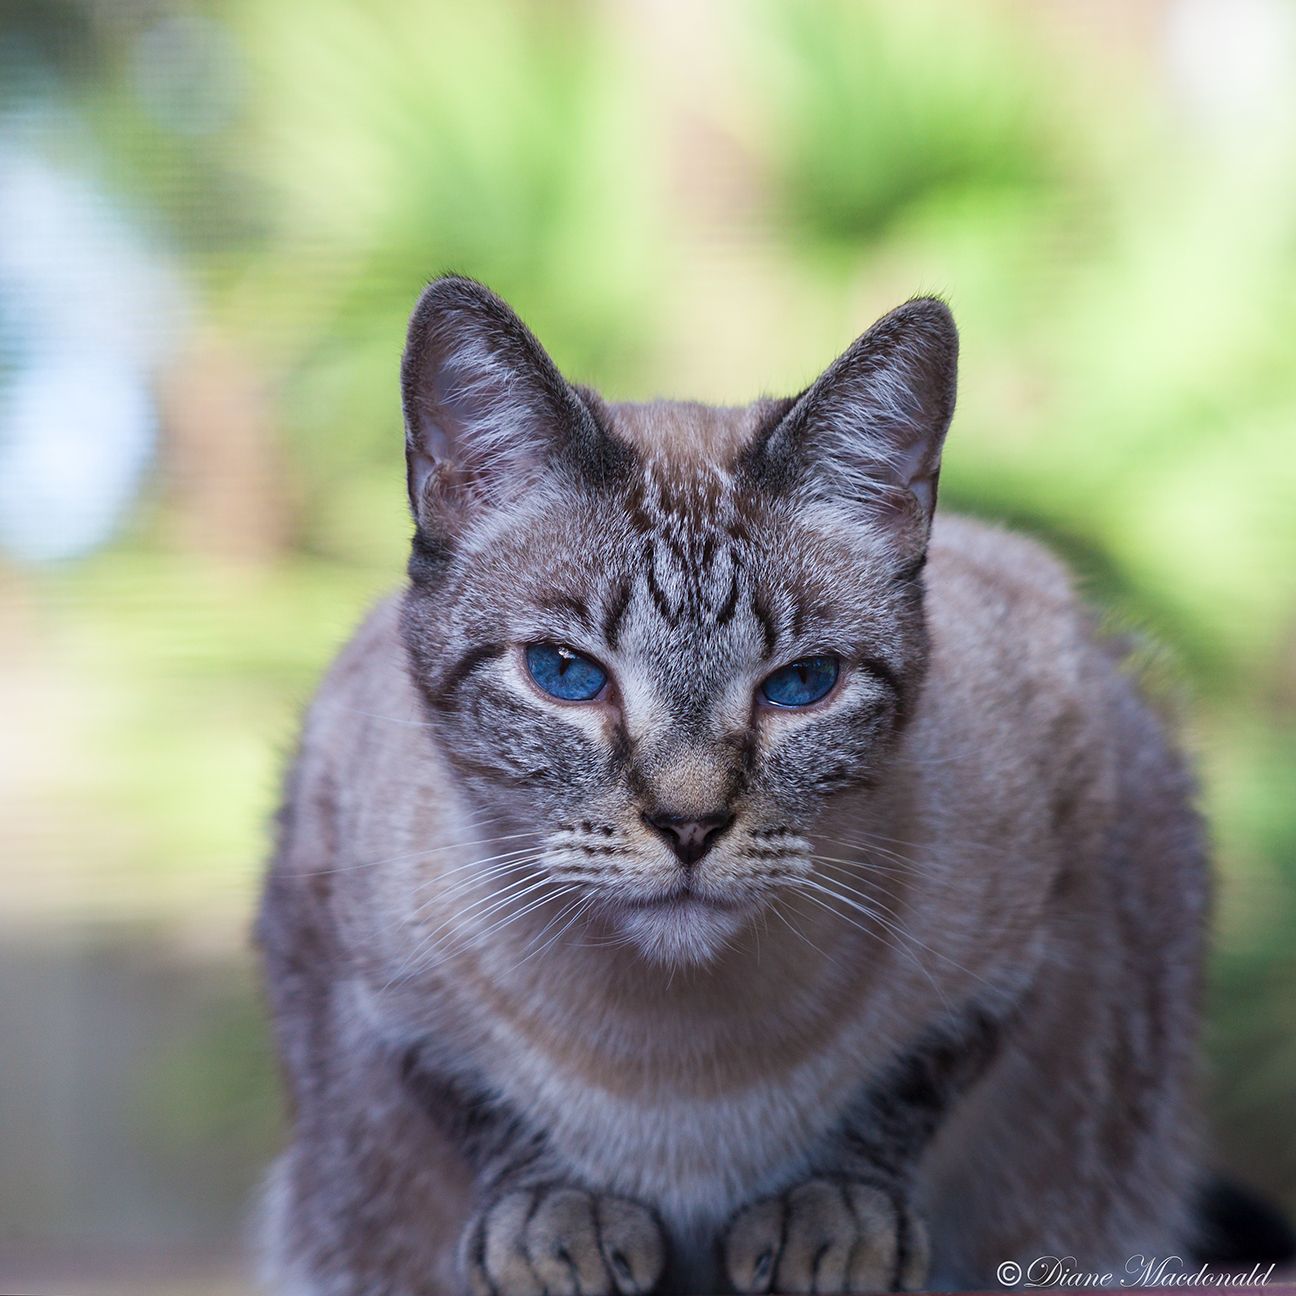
{"x":485,"y":407}
{"x":869,"y":431}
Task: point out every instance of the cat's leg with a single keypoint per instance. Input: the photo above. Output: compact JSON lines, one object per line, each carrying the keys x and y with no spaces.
{"x":398,"y":1185}
{"x":537,"y":1230}
{"x":850,"y":1226}
{"x":1085,"y":1141}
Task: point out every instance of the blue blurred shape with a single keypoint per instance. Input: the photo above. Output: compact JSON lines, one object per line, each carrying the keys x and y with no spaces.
{"x":89,"y":316}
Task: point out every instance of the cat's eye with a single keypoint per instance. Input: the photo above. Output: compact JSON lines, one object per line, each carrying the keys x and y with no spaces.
{"x":801,"y":682}
{"x":563,"y":673}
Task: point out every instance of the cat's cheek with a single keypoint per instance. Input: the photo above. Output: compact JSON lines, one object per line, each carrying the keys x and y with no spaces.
{"x":811,"y":765}
{"x":807,"y":756}
{"x":505,"y":743}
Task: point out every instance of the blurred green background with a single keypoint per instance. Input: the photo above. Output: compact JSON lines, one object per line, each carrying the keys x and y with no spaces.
{"x":214,"y":218}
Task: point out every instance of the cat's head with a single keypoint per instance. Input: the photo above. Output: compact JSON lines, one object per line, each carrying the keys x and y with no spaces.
{"x":664,"y":635}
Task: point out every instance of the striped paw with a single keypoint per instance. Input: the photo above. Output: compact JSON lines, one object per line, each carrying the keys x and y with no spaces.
{"x":826,"y":1235}
{"x":559,"y":1241}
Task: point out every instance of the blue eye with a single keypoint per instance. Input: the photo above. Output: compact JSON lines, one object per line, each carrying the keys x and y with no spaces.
{"x":563,"y":673}
{"x":801,"y":682}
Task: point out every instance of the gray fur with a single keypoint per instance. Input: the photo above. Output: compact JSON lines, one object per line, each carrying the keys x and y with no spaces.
{"x":930,"y":1001}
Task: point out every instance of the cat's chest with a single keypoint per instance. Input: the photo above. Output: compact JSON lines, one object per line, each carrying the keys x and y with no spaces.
{"x":685,"y":1140}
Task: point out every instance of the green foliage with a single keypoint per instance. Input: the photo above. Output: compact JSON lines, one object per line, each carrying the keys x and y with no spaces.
{"x":731,"y":204}
{"x":491,"y":141}
{"x":865,"y":123}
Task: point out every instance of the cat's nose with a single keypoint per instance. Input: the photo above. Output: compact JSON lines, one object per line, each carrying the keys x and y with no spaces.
{"x":689,"y":836}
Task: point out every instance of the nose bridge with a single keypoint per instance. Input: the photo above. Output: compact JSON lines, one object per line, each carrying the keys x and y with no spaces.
{"x":690,"y":782}
{"x":690,"y":763}
{"x":693,"y":775}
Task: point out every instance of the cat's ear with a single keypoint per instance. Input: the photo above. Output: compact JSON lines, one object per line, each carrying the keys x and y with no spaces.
{"x":486,"y":410}
{"x":869,"y":431}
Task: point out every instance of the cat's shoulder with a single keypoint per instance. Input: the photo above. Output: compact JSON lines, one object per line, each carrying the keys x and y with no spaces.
{"x":371,"y":657}
{"x":1003,"y":607}
{"x":366,"y":684}
{"x":974,"y":558}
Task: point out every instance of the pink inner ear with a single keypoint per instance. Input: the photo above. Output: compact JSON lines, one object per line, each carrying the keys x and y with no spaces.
{"x":473,"y":428}
{"x":430,"y":451}
{"x":913,"y":467}
{"x":469,"y":389}
{"x":893,"y":504}
{"x":922,"y":492}
{"x":434,"y":440}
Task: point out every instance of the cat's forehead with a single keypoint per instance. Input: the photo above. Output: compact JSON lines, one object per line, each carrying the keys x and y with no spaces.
{"x":708,"y":559}
{"x":687,"y":553}
{"x":686,"y":492}
{"x":679,"y":436}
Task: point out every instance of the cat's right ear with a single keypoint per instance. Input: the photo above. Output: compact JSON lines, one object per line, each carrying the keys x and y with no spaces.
{"x":486,"y":409}
{"x":868,"y":433}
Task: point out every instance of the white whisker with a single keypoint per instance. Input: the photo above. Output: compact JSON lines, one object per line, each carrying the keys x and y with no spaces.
{"x":894,"y":927}
{"x":419,"y":854}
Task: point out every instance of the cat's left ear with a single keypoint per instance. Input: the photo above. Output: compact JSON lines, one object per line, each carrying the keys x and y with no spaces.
{"x":869,"y":431}
{"x":487,"y":414}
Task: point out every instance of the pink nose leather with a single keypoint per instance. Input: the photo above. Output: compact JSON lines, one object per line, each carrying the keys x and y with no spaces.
{"x":690,"y":838}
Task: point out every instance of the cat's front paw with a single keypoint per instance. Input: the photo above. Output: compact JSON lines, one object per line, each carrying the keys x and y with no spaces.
{"x":559,"y":1241}
{"x":826,"y":1235}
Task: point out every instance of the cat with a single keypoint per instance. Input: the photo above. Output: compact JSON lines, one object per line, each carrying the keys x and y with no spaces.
{"x":716,"y":871}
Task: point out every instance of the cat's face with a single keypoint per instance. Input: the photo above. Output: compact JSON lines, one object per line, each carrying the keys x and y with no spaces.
{"x":663,"y":636}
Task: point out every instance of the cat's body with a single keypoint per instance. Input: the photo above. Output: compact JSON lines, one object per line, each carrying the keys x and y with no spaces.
{"x":936,"y":974}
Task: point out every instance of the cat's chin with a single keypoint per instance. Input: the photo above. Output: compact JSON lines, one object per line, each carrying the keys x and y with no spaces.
{"x":681,"y":932}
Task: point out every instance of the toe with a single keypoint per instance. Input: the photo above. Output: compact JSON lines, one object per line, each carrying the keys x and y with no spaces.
{"x":631,"y":1244}
{"x":501,"y":1262}
{"x":562,"y":1245}
{"x":872,"y":1263}
{"x":752,"y":1245}
{"x":820,"y":1234}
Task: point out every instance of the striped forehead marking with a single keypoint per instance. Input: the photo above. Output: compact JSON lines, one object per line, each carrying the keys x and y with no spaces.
{"x":687,"y":522}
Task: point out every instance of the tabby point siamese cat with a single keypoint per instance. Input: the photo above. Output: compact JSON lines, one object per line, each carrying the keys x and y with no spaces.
{"x":709,"y":874}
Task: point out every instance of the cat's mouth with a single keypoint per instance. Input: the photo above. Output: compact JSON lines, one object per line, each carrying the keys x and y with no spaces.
{"x":682,"y":899}
{"x":681,"y":925}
